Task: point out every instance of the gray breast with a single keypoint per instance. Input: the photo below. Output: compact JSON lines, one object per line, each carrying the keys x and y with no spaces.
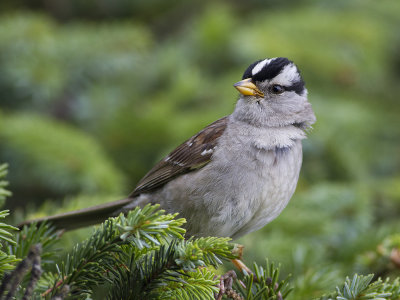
{"x":274,"y":188}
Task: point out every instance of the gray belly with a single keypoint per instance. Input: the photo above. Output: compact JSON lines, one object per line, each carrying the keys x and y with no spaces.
{"x":280,"y":182}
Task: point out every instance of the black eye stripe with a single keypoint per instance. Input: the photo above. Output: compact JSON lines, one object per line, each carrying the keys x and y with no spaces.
{"x":297,"y":87}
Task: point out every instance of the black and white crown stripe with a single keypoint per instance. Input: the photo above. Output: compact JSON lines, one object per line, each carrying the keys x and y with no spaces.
{"x":278,"y":70}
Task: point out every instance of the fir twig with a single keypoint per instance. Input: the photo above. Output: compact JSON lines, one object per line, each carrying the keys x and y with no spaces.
{"x":44,"y":234}
{"x":62,"y":293}
{"x":11,"y":282}
{"x":4,"y":193}
{"x":7,"y":260}
{"x":35,"y":275}
{"x":173,"y":272}
{"x":362,"y":287}
{"x":145,"y":275}
{"x":149,"y":226}
{"x":204,"y":251}
{"x":4,"y":234}
{"x":268,"y":286}
{"x":94,"y":261}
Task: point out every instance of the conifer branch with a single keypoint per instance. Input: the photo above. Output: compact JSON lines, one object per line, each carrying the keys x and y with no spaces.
{"x":204,"y":251}
{"x":94,"y":261}
{"x":158,"y":275}
{"x":4,"y":193}
{"x":362,"y":287}
{"x":149,"y":226}
{"x":44,"y":234}
{"x":7,"y":260}
{"x":264,"y":284}
{"x":36,"y":272}
{"x":12,"y":281}
{"x":199,"y":284}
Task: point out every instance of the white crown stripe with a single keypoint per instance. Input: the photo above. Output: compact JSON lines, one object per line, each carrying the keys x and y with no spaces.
{"x":258,"y":67}
{"x":287,"y":76}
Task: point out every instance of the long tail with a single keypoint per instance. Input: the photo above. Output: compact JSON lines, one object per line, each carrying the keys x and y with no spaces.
{"x":82,"y":217}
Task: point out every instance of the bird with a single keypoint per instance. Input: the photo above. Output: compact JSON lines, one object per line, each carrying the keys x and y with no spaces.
{"x":237,"y":174}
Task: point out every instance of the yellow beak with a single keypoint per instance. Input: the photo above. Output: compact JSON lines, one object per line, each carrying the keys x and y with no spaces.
{"x":248,"y":88}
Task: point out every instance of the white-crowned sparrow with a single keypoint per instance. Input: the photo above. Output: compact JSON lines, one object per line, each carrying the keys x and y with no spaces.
{"x":238,"y":173}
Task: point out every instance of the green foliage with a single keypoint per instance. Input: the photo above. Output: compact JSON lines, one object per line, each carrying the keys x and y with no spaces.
{"x":139,"y":278}
{"x":44,"y":235}
{"x":41,"y":147}
{"x":89,"y":261}
{"x":203,"y":252}
{"x":158,"y":275}
{"x":362,"y":287}
{"x":199,"y":284}
{"x":143,"y":255}
{"x":385,"y":257}
{"x":140,"y":255}
{"x":264,"y":284}
{"x":3,"y":184}
{"x":5,"y":235}
{"x":150,"y":228}
{"x":133,"y":248}
{"x":7,"y":261}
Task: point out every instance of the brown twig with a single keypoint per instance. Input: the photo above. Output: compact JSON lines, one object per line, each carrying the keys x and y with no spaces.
{"x":12,"y":281}
{"x":48,"y":291}
{"x":62,"y":294}
{"x":36,"y":272}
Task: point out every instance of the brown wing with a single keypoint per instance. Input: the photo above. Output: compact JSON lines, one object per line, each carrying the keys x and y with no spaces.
{"x":193,"y":154}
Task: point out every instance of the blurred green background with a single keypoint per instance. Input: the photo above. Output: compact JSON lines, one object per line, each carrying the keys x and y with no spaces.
{"x":93,"y":93}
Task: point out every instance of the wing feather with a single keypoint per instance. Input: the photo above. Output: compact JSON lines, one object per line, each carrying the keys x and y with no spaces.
{"x":191,"y":155}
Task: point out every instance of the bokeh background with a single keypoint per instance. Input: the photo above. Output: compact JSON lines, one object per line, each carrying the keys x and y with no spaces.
{"x":93,"y":93}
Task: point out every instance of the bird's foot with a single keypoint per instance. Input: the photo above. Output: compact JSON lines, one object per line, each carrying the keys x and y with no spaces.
{"x":242,"y":267}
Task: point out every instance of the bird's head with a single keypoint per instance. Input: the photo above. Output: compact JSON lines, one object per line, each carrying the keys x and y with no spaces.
{"x":273,"y":94}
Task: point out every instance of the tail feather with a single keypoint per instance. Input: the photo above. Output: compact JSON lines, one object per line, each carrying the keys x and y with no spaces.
{"x":82,"y":217}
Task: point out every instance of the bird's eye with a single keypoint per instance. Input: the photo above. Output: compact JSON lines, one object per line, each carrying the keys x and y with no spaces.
{"x":277,"y":89}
